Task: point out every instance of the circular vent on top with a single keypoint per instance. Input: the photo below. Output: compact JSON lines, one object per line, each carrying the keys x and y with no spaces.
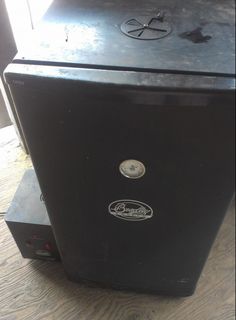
{"x":146,"y":27}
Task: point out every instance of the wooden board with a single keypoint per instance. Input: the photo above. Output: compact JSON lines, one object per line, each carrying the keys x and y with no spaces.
{"x":4,"y":117}
{"x":13,"y":163}
{"x":38,"y":290}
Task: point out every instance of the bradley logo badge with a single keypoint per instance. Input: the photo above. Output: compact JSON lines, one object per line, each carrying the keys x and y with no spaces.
{"x":130,"y":210}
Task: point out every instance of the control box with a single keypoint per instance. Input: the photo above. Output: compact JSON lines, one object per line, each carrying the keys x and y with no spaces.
{"x":28,"y":221}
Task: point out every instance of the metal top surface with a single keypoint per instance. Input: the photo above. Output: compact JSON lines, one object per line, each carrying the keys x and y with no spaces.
{"x":27,"y":205}
{"x":155,"y":35}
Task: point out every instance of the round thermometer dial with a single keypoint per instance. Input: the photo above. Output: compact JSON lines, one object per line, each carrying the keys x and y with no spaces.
{"x":132,"y":169}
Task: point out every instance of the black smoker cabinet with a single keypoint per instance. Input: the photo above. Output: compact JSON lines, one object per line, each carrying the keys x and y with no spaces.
{"x":128,"y":112}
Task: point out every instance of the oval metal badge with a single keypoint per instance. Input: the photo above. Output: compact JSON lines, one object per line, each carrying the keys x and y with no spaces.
{"x":130,"y":210}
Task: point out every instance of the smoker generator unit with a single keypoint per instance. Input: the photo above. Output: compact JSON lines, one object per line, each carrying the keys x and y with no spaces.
{"x":28,"y":221}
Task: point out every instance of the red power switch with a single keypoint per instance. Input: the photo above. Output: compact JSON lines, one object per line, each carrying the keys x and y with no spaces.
{"x":47,"y":246}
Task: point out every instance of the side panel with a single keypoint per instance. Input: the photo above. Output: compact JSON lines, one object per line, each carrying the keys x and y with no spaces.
{"x":78,"y":134}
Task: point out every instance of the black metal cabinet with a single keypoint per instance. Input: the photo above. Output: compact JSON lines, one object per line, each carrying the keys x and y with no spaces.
{"x":152,"y":233}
